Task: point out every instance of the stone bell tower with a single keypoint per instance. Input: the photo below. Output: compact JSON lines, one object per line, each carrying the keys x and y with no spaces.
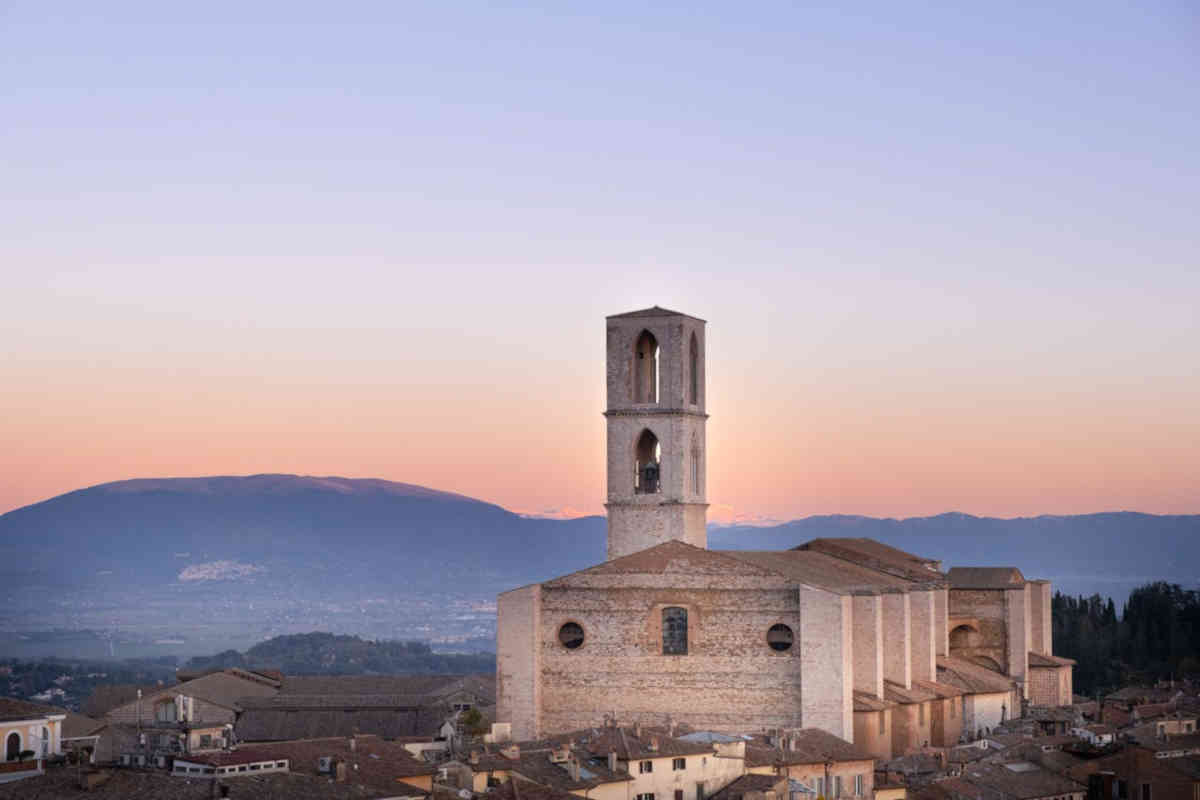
{"x":656,"y":422}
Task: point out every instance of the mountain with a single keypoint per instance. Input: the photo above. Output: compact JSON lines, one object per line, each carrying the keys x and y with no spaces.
{"x":1107,"y":553}
{"x":198,"y":565}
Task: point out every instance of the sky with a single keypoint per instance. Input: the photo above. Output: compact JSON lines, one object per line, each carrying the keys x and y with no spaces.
{"x":948,"y":253}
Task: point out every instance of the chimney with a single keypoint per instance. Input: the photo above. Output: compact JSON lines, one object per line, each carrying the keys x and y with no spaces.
{"x":612,"y":760}
{"x":654,"y":744}
{"x":340,"y":772}
{"x":637,"y":730}
{"x":671,"y":729}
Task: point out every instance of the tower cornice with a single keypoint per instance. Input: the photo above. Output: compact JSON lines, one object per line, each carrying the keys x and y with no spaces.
{"x":653,"y":412}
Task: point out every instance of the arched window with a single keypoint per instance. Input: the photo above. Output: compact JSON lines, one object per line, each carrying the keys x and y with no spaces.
{"x":694,"y":369}
{"x":12,"y":747}
{"x":645,"y":369}
{"x":45,"y":742}
{"x":695,"y":466}
{"x":647,"y":471}
{"x":674,"y":631}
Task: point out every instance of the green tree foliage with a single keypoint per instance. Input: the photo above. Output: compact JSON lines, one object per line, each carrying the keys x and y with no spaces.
{"x":1157,"y":636}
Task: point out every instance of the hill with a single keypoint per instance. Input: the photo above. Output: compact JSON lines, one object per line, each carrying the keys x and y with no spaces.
{"x":198,"y":565}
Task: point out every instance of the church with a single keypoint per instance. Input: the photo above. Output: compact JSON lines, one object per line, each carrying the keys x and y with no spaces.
{"x":874,"y":645}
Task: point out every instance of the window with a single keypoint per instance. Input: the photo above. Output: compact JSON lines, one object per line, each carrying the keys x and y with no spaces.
{"x":679,"y":794}
{"x":45,"y":742}
{"x":570,"y":635}
{"x":953,"y":707}
{"x":647,"y":796}
{"x":858,"y":785}
{"x":1145,"y":791}
{"x":674,"y":631}
{"x":679,"y":763}
{"x":280,"y":764}
{"x":780,"y":637}
{"x":694,"y":371}
{"x":493,"y":781}
{"x":882,"y":723}
{"x":820,"y":786}
{"x":165,"y":712}
{"x":255,"y":767}
{"x":645,"y":766}
{"x":920,"y":713}
{"x":837,"y":786}
{"x":205,"y":740}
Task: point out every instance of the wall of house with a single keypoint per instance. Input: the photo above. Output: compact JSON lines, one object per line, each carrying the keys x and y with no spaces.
{"x":730,"y":679}
{"x":713,"y":771}
{"x":808,"y":774}
{"x":30,"y":732}
{"x":519,"y":641}
{"x":947,"y":722}
{"x":985,"y":711}
{"x":869,"y":738}
{"x":912,"y":727}
{"x":202,"y":710}
{"x":608,"y":791}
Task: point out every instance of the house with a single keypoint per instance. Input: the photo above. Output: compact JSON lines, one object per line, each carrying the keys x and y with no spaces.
{"x":213,"y":698}
{"x":825,"y":764}
{"x":370,"y":760}
{"x":241,"y":762}
{"x":29,"y":734}
{"x":989,"y":698}
{"x":754,"y":786}
{"x":562,"y":766}
{"x":1096,"y":734}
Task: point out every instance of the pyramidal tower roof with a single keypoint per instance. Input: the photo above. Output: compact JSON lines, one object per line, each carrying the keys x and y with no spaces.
{"x":653,"y":311}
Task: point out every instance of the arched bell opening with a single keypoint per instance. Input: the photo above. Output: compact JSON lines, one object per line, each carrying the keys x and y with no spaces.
{"x":645,"y":369}
{"x":647,"y":473}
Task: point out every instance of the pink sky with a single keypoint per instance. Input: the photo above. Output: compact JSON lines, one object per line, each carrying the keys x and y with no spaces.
{"x":833,"y":411}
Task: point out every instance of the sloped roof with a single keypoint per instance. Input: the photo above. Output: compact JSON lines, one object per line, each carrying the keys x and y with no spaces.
{"x":1043,"y":660}
{"x":865,"y":701}
{"x":105,"y":698}
{"x":653,"y":311}
{"x":822,"y":570}
{"x":881,"y":557}
{"x":671,"y":558}
{"x":985,"y":578}
{"x":942,"y":690}
{"x":632,"y":743}
{"x":223,"y":689}
{"x":747,"y":784}
{"x":12,"y":710}
{"x":519,"y":789}
{"x":284,"y":723}
{"x":972,"y":677}
{"x":804,"y":746}
{"x":1020,"y":780}
{"x":896,"y":693}
{"x":77,"y":725}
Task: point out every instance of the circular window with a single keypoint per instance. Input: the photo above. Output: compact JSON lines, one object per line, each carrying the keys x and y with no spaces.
{"x":780,"y":637}
{"x":570,"y":635}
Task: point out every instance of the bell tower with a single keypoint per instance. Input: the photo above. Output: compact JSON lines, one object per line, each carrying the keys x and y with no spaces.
{"x":656,"y":418}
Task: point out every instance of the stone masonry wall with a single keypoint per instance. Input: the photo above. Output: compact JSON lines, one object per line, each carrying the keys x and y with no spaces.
{"x":867,"y":644}
{"x":897,"y":638}
{"x":518,"y":626}
{"x":729,"y":680}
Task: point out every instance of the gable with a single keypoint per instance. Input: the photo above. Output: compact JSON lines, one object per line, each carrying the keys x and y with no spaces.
{"x":675,"y":564}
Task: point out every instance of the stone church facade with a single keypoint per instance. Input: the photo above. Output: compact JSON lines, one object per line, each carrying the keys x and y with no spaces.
{"x":844,"y":635}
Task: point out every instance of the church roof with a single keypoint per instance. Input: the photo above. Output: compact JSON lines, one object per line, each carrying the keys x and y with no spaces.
{"x":881,"y":557}
{"x":653,"y":311}
{"x":689,"y":563}
{"x":1043,"y":660}
{"x":986,"y":578}
{"x":821,"y":570}
{"x":972,"y":677}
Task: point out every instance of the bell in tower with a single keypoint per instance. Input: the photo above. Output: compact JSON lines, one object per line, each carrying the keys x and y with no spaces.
{"x":656,"y":421}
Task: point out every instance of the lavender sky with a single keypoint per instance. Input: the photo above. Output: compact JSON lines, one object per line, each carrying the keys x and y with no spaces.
{"x":949,"y":253}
